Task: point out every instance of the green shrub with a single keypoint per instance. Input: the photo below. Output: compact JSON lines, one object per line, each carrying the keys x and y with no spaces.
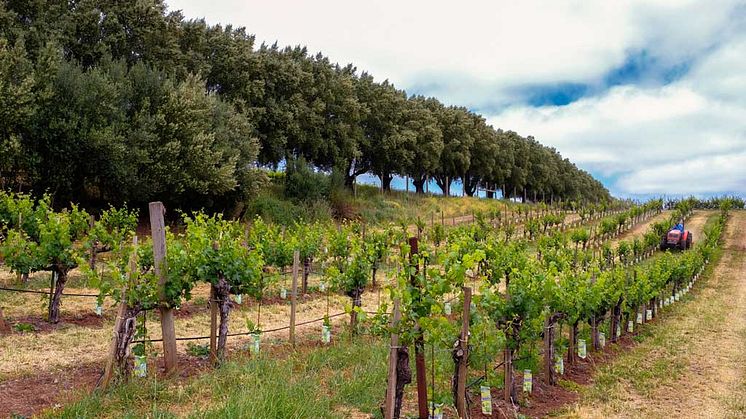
{"x":303,"y":183}
{"x":200,"y":351}
{"x":24,"y":327}
{"x":273,"y":209}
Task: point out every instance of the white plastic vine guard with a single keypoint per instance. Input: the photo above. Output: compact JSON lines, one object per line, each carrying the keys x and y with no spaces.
{"x":141,"y":366}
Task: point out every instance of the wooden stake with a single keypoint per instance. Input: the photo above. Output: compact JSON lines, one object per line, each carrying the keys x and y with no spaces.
{"x":158,"y":231}
{"x":419,"y":342}
{"x":4,"y":327}
{"x":294,"y":295}
{"x":463,"y":365}
{"x":393,"y":351}
{"x":214,"y":311}
{"x":508,"y":365}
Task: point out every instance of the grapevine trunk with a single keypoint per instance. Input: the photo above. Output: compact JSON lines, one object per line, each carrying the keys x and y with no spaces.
{"x":54,"y":305}
{"x":403,"y":377}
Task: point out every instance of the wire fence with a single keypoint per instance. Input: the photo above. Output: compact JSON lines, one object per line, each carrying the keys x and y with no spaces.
{"x":47,"y":292}
{"x":277,"y":329}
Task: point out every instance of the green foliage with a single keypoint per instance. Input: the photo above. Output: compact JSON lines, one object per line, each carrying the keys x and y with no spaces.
{"x":24,"y":327}
{"x":215,"y":248}
{"x":45,"y":240}
{"x":111,"y":102}
{"x":580,"y":236}
{"x":272,"y":208}
{"x":112,"y":228}
{"x":352,"y":274}
{"x":302,"y":183}
{"x":199,"y":351}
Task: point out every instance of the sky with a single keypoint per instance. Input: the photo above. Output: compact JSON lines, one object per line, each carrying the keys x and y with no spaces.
{"x":649,"y":96}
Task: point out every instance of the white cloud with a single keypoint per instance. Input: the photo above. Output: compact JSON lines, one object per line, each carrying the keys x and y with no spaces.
{"x":476,"y":50}
{"x":693,"y":176}
{"x":479,"y":53}
{"x":686,"y":136}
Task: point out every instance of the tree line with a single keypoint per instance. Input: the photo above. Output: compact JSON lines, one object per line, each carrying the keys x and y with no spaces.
{"x":112,"y":102}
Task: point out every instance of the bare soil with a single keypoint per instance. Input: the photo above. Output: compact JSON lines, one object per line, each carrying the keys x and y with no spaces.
{"x":27,"y":395}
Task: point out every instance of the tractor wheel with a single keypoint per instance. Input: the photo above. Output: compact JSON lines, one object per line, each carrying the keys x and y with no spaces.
{"x":689,"y":240}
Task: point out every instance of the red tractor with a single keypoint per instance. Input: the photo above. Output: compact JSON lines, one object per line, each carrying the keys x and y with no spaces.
{"x":677,"y":238}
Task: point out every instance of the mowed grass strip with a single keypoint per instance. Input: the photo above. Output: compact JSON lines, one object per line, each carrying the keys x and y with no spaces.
{"x":329,"y":382}
{"x":685,"y":363}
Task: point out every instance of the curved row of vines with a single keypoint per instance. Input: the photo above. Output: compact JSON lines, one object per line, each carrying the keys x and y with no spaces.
{"x":524,"y":285}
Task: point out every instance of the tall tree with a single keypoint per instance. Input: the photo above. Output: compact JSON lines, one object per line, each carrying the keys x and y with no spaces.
{"x":420,"y":123}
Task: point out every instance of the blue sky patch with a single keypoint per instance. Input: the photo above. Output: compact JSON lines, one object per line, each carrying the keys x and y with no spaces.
{"x":555,"y":95}
{"x":641,"y":67}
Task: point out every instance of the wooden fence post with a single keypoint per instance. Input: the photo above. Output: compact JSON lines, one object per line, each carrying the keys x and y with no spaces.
{"x":463,"y":354}
{"x":158,"y":231}
{"x":92,"y":251}
{"x":419,"y":341}
{"x":294,"y":296}
{"x":214,"y":312}
{"x":213,"y":326}
{"x":390,"y":403}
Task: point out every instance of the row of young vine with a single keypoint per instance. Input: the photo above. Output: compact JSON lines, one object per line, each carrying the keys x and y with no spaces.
{"x":232,"y":257}
{"x":524,"y":292}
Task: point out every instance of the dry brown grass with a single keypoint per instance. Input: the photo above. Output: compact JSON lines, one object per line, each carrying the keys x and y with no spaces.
{"x":70,"y":345}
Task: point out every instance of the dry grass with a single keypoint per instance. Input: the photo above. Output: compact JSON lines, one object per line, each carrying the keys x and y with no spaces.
{"x":70,"y":345}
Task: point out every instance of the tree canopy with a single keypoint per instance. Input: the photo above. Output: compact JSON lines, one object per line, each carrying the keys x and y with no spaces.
{"x":108,"y":102}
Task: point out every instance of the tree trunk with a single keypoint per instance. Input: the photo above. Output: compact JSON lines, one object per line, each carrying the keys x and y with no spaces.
{"x":420,"y":370}
{"x":386,"y":181}
{"x":572,"y":344}
{"x":54,"y":304}
{"x":222,"y":295}
{"x":549,"y":327}
{"x":625,"y":329}
{"x":356,"y":296}
{"x":306,"y":269}
{"x":373,"y":275}
{"x":594,"y":332}
{"x":92,"y":257}
{"x":403,"y":377}
{"x":127,"y":328}
{"x":444,"y":183}
{"x":457,"y":354}
{"x":419,"y":184}
{"x":470,"y":185}
{"x":616,"y":319}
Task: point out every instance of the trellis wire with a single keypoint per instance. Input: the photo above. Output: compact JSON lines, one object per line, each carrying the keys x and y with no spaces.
{"x":47,"y":292}
{"x":245,"y":333}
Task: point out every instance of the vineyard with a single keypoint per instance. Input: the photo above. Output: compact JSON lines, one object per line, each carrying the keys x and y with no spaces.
{"x":484,"y":316}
